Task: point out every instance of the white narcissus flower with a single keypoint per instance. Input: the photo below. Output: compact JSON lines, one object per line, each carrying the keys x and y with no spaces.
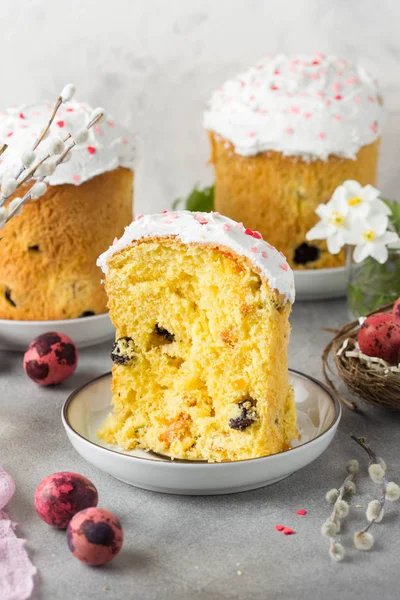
{"x":371,"y":238}
{"x":363,"y":200}
{"x":334,"y":224}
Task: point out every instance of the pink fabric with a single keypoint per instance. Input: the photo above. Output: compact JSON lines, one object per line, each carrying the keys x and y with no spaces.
{"x":16,"y":570}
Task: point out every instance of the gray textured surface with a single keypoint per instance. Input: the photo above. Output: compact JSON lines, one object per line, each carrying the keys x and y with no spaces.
{"x":189,"y":547}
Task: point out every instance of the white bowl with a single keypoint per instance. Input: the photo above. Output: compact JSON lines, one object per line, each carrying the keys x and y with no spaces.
{"x":321,"y":284}
{"x":318,"y":413}
{"x":86,"y":331}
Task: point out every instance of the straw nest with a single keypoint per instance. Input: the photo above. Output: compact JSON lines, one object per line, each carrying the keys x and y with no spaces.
{"x":372,"y":380}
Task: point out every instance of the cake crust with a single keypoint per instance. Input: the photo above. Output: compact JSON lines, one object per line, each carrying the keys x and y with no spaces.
{"x":48,"y":253}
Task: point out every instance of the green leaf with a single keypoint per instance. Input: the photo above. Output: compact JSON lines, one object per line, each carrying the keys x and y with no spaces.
{"x":199,"y":200}
{"x":395,"y":216}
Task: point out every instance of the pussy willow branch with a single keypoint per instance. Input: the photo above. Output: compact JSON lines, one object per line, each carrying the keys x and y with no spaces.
{"x":3,"y":148}
{"x":373,"y":457}
{"x":59,"y":160}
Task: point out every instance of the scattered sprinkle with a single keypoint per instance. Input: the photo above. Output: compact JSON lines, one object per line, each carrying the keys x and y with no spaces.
{"x":301,"y":512}
{"x":91,"y":149}
{"x":60,"y":123}
{"x":288,"y":531}
{"x":279,"y":527}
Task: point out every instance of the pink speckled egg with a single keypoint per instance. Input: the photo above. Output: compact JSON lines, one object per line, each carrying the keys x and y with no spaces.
{"x":95,"y":536}
{"x":50,"y":358}
{"x":61,"y":495}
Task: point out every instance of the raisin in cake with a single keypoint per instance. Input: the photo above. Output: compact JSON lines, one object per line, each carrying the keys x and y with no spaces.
{"x":201,"y":307}
{"x":283,"y":136}
{"x":48,"y":253}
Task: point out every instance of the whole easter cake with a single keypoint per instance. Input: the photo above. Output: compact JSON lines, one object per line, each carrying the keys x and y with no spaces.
{"x":48,"y":253}
{"x":283,"y":136}
{"x":201,"y":307}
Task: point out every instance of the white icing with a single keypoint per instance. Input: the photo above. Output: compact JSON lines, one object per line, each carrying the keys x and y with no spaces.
{"x":108,"y":145}
{"x":301,"y":106}
{"x":211,"y":228}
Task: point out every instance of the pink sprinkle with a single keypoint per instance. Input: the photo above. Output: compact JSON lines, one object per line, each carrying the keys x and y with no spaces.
{"x":97,"y":129}
{"x":91,"y":149}
{"x":140,"y":216}
{"x":70,"y":110}
{"x":295,"y":110}
{"x":111,"y":123}
{"x":252,"y":98}
{"x":262,"y":111}
{"x":60,"y":123}
{"x":257,"y":235}
{"x":226,"y":227}
{"x":76,"y":178}
{"x":320,"y":94}
{"x":337,"y":86}
{"x":115,"y":240}
{"x":357,"y":99}
{"x":277,"y":72}
{"x":252,"y":134}
{"x":279,"y":527}
{"x":254,"y":249}
{"x":163,"y":212}
{"x":274,"y":87}
{"x":308,"y":115}
{"x":322,"y":135}
{"x":270,"y":246}
{"x":374,"y":127}
{"x":338,"y":97}
{"x":371,"y":98}
{"x":315,"y":75}
{"x":173,"y":215}
{"x":22,"y":116}
{"x":285,"y":267}
{"x":124,"y":140}
{"x":328,"y":102}
{"x":240,"y":226}
{"x":289,"y":130}
{"x":338,"y":117}
{"x":339,"y":73}
{"x":10,"y":133}
{"x":259,"y":67}
{"x":288,"y":531}
{"x":315,"y":62}
{"x":167,"y":221}
{"x":352,"y":80}
{"x":264,"y":254}
{"x":301,"y":512}
{"x":201,"y":219}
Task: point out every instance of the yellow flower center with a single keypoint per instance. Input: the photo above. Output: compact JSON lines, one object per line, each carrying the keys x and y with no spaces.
{"x":354,"y":201}
{"x":368,"y":235}
{"x":336,"y":218}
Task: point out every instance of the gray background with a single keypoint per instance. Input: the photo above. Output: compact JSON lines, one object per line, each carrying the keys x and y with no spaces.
{"x":180,"y":547}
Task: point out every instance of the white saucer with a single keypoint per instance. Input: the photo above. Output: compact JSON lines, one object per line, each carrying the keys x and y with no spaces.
{"x":318,"y":414}
{"x":320,"y":284}
{"x":87,"y":331}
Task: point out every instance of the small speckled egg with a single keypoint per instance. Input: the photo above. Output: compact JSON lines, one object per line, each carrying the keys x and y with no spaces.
{"x":94,"y":536}
{"x":61,"y":495}
{"x":50,"y":358}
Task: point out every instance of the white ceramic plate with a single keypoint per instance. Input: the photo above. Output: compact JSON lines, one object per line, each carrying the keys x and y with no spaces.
{"x":87,"y":331}
{"x":320,"y":284}
{"x":318,"y":414}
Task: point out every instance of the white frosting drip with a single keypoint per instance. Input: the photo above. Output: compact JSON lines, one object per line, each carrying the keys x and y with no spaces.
{"x":301,"y":106}
{"x":108,"y":145}
{"x":211,"y":228}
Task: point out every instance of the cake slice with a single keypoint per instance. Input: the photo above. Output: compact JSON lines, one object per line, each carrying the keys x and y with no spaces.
{"x":201,"y":307}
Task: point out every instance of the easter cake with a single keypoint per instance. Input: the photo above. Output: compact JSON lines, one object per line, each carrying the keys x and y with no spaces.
{"x":48,"y":252}
{"x":283,"y":136}
{"x":201,"y":309}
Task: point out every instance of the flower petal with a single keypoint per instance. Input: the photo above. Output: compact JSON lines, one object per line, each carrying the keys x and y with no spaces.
{"x":378,"y":223}
{"x":335,"y":243}
{"x":352,"y":188}
{"x":361,"y":252}
{"x":369,"y":193}
{"x":379,"y":252}
{"x":378,"y":206}
{"x":321,"y":231}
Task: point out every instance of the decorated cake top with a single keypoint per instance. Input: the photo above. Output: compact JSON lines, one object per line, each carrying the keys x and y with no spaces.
{"x":211,"y":228}
{"x":106,"y":147}
{"x":298,"y":105}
